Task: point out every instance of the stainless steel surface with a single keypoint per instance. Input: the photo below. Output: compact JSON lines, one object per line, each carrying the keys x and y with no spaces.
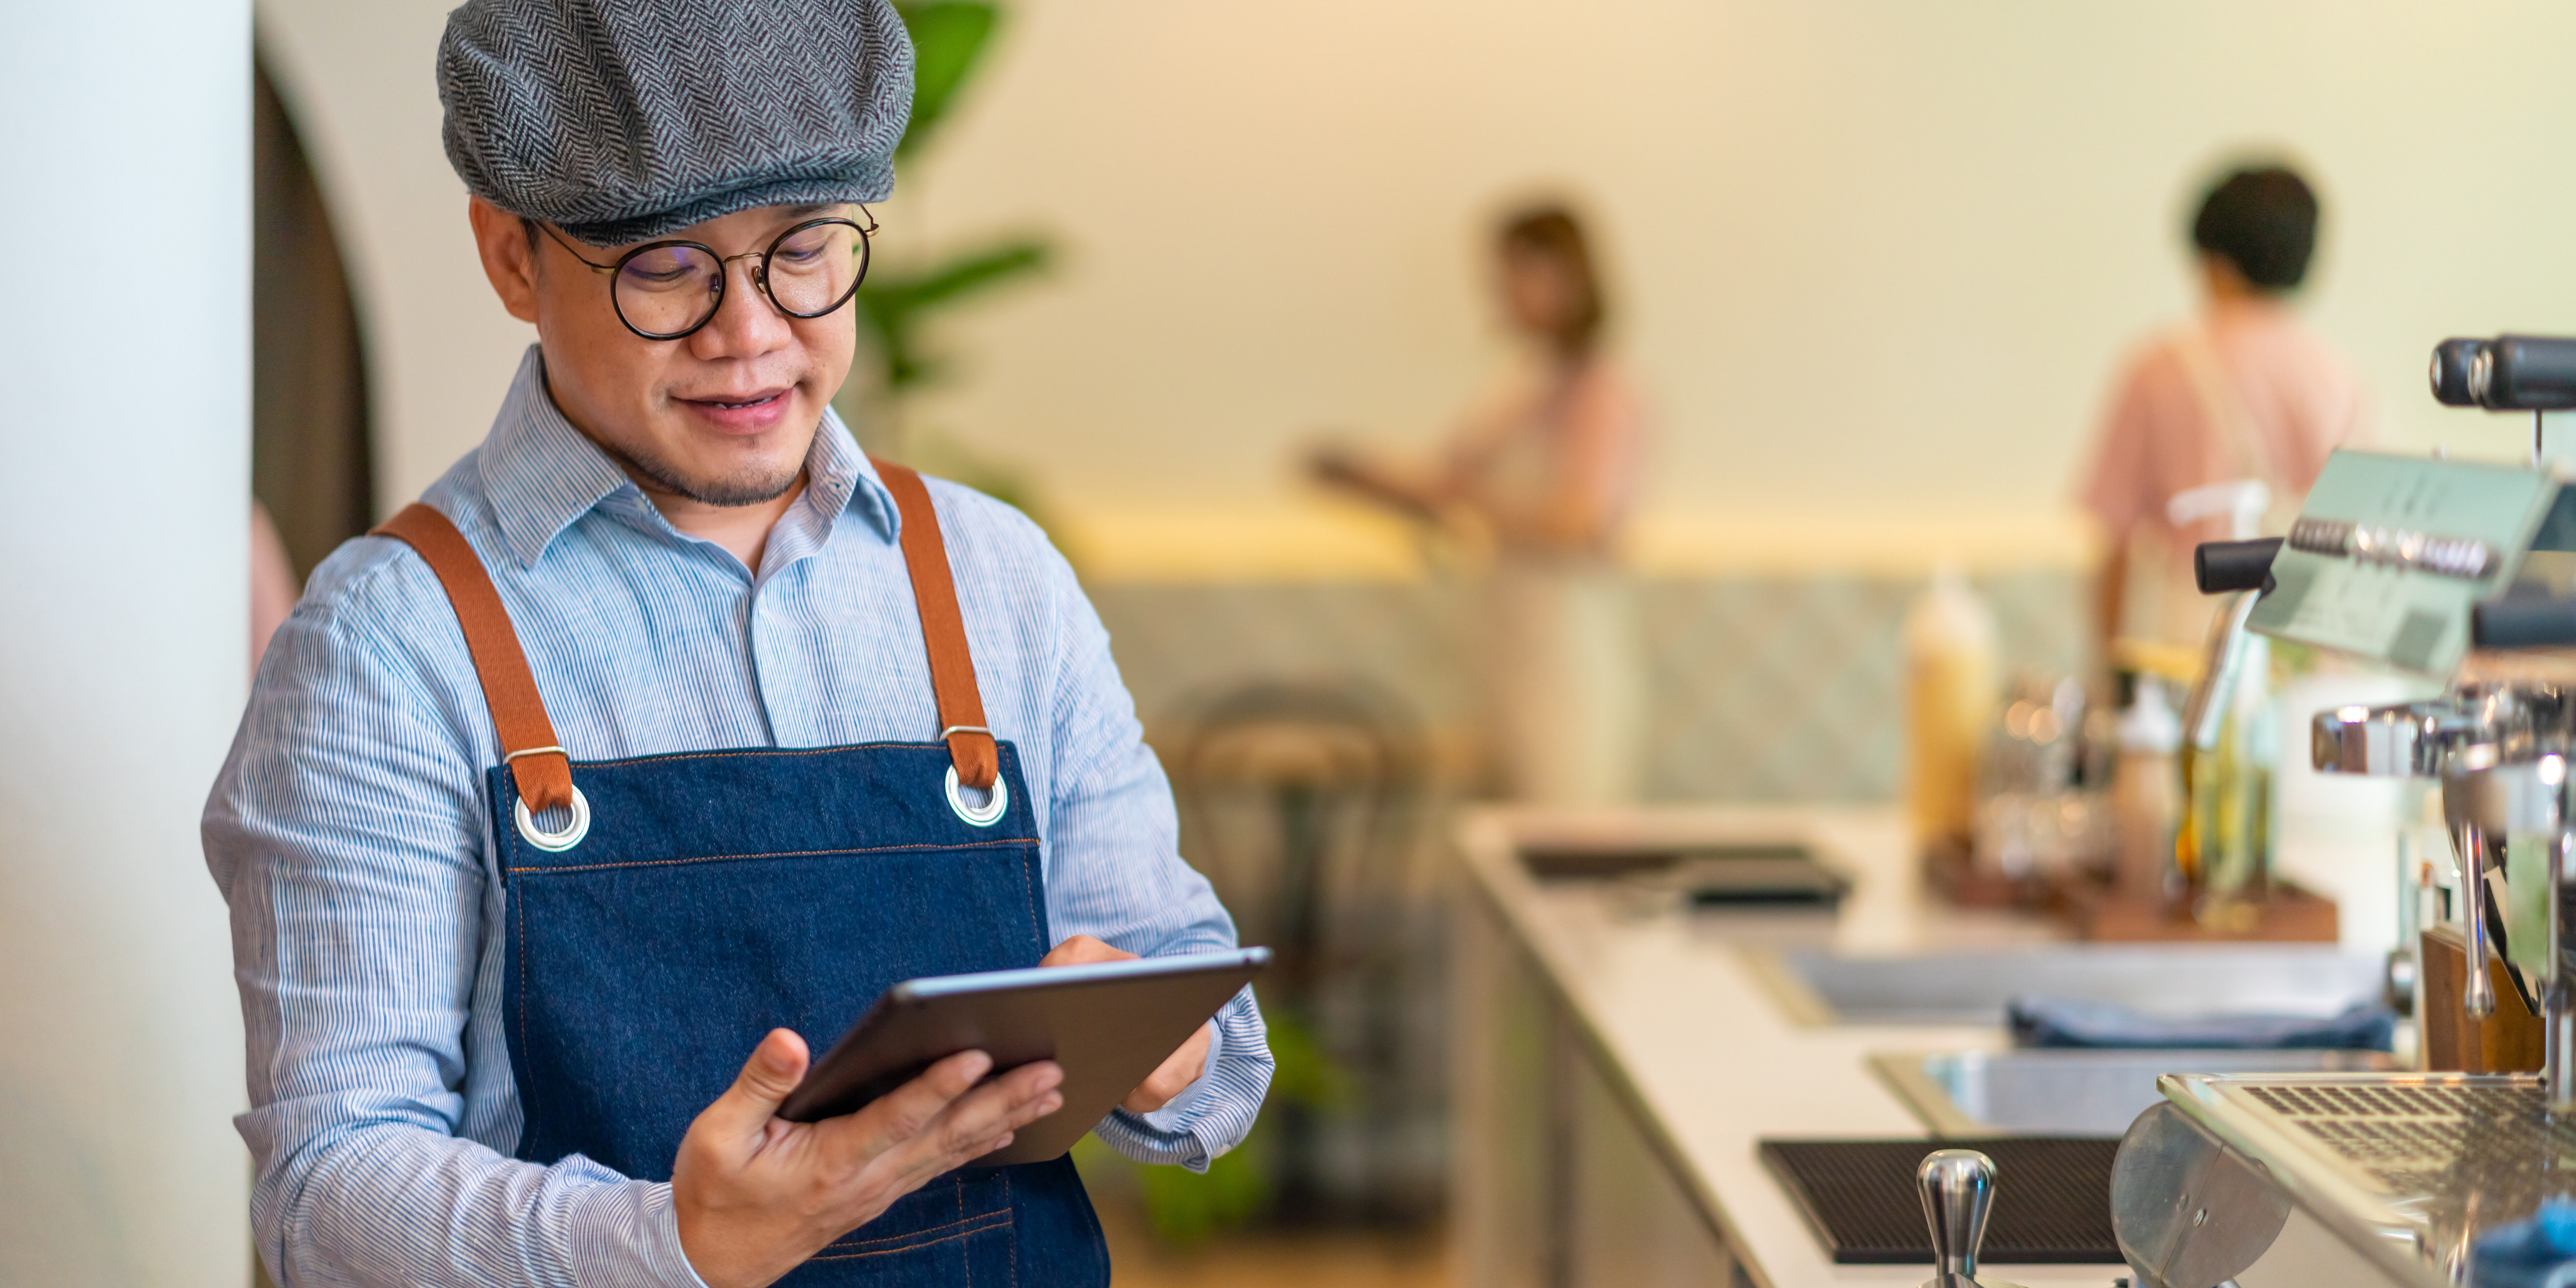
{"x":2407,"y":1168}
{"x":1958,"y":1188}
{"x":2465,"y":558}
{"x":2403,"y":974}
{"x":2486,"y":798}
{"x":2500,"y":748}
{"x":2190,"y":1212}
{"x":2504,"y":797}
{"x":2404,"y":740}
{"x":2558,"y":1000}
{"x":1972,"y":987}
{"x":2067,"y":1092}
{"x":2477,"y":986}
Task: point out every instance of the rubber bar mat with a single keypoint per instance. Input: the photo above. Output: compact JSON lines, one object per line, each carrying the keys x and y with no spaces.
{"x":2052,"y":1198}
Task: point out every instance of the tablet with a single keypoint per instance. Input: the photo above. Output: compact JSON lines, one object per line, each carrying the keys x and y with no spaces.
{"x":1110,"y":1024}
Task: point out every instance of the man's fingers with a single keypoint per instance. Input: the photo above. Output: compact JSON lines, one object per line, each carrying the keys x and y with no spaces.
{"x":905,"y":1112}
{"x":1083,"y":948}
{"x":1015,"y":1100}
{"x":974,"y":1130}
{"x":966,"y":1127}
{"x":775,"y":1067}
{"x":1182,"y":1067}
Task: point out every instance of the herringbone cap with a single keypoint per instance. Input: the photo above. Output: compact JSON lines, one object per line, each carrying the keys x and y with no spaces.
{"x":621,"y":120}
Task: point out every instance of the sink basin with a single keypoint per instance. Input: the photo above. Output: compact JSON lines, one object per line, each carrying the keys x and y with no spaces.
{"x":1971,"y":988}
{"x":2071,"y":1093}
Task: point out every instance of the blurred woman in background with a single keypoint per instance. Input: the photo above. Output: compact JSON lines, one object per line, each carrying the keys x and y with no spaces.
{"x":1544,"y":470}
{"x":2244,"y":392}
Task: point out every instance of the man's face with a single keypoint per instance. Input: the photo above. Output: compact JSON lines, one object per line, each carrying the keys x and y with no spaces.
{"x":723,"y":416}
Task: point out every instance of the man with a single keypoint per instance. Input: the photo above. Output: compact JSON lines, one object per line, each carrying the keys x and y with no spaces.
{"x":670,"y":728}
{"x":2243,"y":393}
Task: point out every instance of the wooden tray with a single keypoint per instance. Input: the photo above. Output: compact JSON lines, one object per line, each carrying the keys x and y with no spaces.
{"x":2290,"y":915}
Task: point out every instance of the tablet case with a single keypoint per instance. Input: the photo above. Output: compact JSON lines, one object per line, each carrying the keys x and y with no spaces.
{"x":1110,"y":1024}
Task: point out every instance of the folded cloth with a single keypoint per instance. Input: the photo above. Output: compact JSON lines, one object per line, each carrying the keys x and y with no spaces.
{"x":2538,"y":1253}
{"x":2061,"y":1022}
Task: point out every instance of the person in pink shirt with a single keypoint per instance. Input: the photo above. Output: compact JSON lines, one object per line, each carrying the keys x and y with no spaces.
{"x":2243,"y":392}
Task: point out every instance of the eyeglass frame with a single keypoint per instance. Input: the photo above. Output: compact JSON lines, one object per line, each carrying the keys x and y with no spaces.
{"x":724,"y":270}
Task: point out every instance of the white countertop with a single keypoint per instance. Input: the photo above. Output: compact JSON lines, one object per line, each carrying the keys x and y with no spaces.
{"x":1701,"y":1044}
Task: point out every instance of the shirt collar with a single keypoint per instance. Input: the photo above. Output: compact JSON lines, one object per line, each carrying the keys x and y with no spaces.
{"x":541,"y":474}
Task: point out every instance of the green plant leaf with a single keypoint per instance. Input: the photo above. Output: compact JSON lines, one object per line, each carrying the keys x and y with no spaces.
{"x":948,"y":40}
{"x":1186,"y":1207}
{"x":1303,"y":1072}
{"x":893,"y":305}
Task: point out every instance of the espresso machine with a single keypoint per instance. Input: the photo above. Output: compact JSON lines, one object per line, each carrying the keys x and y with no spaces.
{"x":2467,"y":571}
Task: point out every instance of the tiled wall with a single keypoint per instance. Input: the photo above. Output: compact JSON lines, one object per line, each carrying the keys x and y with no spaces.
{"x":1760,"y":688}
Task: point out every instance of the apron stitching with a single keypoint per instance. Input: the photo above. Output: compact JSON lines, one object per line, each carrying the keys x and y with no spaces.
{"x":1031,"y":897}
{"x":985,"y":1218}
{"x":998,"y":1220}
{"x":1011,"y":1203}
{"x":784,"y":854}
{"x":965,"y":1255}
{"x":527,"y":1096}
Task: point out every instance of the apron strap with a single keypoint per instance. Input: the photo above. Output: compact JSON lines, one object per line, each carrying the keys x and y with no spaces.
{"x":943,"y":631}
{"x":538,"y":763}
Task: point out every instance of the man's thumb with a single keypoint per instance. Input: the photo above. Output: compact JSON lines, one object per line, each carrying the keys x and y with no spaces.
{"x":774,"y":1069}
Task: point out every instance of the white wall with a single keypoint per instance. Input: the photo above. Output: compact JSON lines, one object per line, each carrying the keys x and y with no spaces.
{"x":125,"y":130}
{"x":1877,"y":256}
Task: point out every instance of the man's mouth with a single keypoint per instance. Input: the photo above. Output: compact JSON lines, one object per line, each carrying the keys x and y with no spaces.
{"x":742,"y":412}
{"x":741,"y":402}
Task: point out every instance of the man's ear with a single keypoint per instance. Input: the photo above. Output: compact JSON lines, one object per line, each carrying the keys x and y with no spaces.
{"x":508,"y":258}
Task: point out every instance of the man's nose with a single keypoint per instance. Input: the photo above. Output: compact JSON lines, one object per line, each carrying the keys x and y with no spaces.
{"x":746,"y":324}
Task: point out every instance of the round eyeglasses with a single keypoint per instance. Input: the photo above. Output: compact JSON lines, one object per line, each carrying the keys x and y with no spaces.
{"x":667,"y":290}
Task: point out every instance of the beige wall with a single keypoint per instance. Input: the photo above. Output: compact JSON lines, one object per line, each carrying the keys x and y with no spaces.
{"x":124,"y":563}
{"x":1876,"y":256}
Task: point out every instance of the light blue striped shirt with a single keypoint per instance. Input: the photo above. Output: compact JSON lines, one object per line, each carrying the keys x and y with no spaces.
{"x":349,"y":830}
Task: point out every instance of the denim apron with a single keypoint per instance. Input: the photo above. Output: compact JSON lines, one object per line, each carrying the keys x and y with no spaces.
{"x":665,"y":912}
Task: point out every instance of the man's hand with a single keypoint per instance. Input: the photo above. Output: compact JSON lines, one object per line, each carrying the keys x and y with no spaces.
{"x":1176,"y":1073}
{"x":756,"y":1195}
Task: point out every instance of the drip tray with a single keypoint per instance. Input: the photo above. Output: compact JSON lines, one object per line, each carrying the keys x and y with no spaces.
{"x":2440,"y":1156}
{"x":2052,"y":1198}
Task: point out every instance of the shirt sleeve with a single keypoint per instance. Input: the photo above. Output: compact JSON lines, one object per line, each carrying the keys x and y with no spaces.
{"x":1115,"y":872}
{"x":345,"y":832}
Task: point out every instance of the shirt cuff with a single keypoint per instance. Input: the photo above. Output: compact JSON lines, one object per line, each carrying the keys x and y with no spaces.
{"x":629,"y":1234}
{"x":1213,"y":1114}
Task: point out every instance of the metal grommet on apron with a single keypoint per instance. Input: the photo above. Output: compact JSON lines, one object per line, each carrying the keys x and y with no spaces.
{"x":993,"y":809}
{"x":699,"y":899}
{"x":556,"y":842}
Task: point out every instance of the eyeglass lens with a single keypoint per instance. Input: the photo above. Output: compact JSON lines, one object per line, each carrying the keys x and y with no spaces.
{"x":673,"y":289}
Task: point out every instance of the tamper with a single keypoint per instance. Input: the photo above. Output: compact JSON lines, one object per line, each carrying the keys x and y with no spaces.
{"x":1958,"y":1188}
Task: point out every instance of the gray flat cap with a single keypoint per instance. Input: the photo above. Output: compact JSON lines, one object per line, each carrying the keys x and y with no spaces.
{"x":622,"y":120}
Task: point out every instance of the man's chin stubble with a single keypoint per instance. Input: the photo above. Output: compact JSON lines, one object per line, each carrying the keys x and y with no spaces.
{"x":745,"y":488}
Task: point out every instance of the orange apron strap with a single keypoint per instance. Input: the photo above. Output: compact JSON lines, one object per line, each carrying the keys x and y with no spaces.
{"x":943,"y":631}
{"x":537,"y":762}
